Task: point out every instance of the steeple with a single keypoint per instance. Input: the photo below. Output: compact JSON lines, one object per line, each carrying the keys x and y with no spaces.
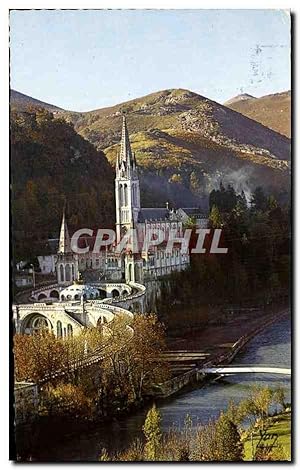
{"x":64,"y":237}
{"x":127,"y":186}
{"x":126,"y":163}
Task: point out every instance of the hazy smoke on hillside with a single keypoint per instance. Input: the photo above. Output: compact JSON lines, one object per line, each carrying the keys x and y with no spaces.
{"x":238,"y":179}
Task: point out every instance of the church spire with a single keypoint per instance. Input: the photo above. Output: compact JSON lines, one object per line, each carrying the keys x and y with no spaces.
{"x":64,"y":238}
{"x":125,"y":160}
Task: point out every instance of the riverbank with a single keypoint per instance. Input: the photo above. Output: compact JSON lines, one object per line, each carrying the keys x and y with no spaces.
{"x":279,"y":432}
{"x":201,"y":404}
{"x":216,"y":352}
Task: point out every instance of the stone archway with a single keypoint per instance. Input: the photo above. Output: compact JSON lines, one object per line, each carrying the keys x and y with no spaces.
{"x":115,"y":293}
{"x":42,"y":296}
{"x":36,"y":323}
{"x":54,"y":294}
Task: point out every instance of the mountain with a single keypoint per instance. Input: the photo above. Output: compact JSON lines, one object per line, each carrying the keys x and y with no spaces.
{"x":185,"y":144}
{"x":238,"y":98}
{"x":51,"y":165}
{"x":21,"y":102}
{"x":273,"y":111}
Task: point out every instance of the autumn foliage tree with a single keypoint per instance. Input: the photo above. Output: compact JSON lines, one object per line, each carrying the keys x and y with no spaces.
{"x":38,"y":356}
{"x":133,"y":362}
{"x":51,"y":163}
{"x":153,"y":435}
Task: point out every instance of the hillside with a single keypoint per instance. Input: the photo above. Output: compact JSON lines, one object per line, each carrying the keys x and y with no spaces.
{"x":185,"y":144}
{"x":51,"y":162}
{"x":273,"y":111}
{"x":238,"y":98}
{"x":21,"y":102}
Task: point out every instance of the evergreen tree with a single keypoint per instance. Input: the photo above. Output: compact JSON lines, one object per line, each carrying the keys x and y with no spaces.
{"x":215,"y":218}
{"x":228,"y":446}
{"x":152,"y":433}
{"x":259,"y":201}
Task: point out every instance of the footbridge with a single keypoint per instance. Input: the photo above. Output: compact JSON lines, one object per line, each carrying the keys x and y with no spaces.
{"x":228,"y":370}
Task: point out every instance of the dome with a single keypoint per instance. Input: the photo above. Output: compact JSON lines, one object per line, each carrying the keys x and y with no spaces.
{"x":77,"y":291}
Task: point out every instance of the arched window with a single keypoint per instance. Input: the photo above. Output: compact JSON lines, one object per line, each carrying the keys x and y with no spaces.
{"x":68,"y":273}
{"x":59,"y":329}
{"x":73,"y":272}
{"x":62,"y":297}
{"x":121,"y":195}
{"x":40,"y":323}
{"x":70,"y":330}
{"x":62,"y":274}
{"x":125,"y":195}
{"x":130,"y":272}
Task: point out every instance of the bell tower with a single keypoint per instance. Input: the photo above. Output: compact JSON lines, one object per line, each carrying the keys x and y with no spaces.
{"x":127,"y":186}
{"x":67,"y":261}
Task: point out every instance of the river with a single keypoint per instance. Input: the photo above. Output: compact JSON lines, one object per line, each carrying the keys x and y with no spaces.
{"x":270,"y":347}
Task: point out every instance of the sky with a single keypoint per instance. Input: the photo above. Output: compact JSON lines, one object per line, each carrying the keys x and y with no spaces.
{"x":88,"y":59}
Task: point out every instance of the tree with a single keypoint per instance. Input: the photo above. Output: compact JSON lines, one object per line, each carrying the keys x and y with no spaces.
{"x":38,"y":356}
{"x":66,"y":399}
{"x":176,"y":178}
{"x":42,"y":355}
{"x":132,"y":363}
{"x":259,"y":200}
{"x":194,"y":182}
{"x":262,"y":399}
{"x":257,"y":406}
{"x":215,"y":218}
{"x":144,"y":353}
{"x":279,"y":397}
{"x":135,"y":452}
{"x":152,"y":434}
{"x":228,"y":446}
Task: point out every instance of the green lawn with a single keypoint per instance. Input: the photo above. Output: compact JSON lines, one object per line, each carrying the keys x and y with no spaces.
{"x":281,"y":425}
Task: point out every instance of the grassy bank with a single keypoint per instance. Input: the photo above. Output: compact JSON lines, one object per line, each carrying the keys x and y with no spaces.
{"x":280,"y":425}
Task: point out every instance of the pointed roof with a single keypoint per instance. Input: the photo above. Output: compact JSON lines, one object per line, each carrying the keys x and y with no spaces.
{"x":64,"y":237}
{"x":125,"y":153}
{"x":126,"y":162}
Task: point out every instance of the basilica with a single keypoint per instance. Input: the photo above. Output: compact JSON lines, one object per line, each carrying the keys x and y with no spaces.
{"x":93,"y":287}
{"x":109,"y":264}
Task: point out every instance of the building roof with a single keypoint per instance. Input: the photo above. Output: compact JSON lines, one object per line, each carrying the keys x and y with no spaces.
{"x":64,"y":238}
{"x":80,"y":289}
{"x":194,"y":212}
{"x":153,"y":213}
